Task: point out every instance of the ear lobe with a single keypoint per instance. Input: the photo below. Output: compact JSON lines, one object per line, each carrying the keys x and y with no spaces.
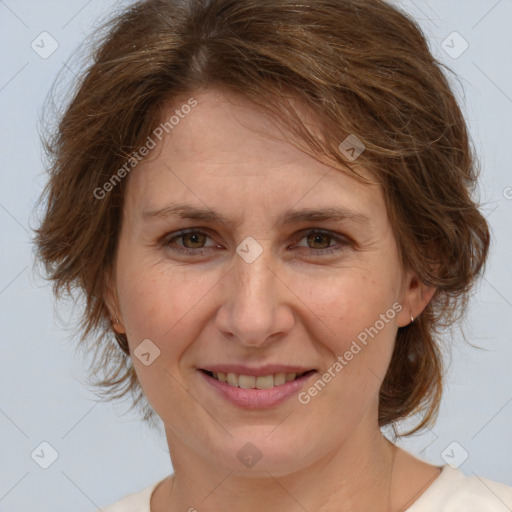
{"x":416,"y":297}
{"x":110,"y":299}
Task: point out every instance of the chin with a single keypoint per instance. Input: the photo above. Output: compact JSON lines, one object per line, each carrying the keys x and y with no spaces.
{"x":263,"y":450}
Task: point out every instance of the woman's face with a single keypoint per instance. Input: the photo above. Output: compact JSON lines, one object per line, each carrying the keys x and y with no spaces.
{"x":266,"y":282}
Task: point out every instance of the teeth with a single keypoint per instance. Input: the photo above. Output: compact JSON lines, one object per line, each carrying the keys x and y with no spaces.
{"x":251,"y":382}
{"x":279,"y":379}
{"x":232,"y":379}
{"x":246,"y":381}
{"x":264,"y":382}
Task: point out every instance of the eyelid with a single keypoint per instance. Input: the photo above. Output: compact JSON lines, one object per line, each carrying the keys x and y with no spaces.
{"x":165,"y":240}
{"x":341,"y":241}
{"x":332,"y":234}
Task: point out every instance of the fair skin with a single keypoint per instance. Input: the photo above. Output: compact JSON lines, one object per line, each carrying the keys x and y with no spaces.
{"x":295,"y":305}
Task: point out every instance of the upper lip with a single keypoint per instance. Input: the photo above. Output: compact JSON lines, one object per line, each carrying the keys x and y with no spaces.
{"x":256,"y":371}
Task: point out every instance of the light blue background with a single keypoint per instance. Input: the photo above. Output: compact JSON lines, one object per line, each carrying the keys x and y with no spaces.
{"x":103,"y":455}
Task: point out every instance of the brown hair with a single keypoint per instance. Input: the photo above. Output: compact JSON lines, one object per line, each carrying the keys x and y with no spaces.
{"x":362,"y":66}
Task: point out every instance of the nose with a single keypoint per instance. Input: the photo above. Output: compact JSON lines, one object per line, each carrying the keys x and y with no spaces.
{"x":255,"y":310}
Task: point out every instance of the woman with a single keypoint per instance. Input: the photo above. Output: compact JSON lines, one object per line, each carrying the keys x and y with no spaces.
{"x":268,"y":204}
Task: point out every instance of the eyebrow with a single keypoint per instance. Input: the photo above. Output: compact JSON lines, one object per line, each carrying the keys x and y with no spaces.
{"x":186,"y":211}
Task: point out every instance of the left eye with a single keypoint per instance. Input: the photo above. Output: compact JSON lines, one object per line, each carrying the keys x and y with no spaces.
{"x":195,"y":238}
{"x":316,"y":237}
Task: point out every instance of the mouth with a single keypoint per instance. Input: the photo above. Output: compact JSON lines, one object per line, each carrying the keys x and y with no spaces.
{"x":254,"y":387}
{"x":272,"y":380}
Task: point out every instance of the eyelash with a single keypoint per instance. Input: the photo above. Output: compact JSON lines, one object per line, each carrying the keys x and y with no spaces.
{"x":166,"y":242}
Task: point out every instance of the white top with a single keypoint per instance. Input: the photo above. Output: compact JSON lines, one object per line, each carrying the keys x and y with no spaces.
{"x":451,"y":491}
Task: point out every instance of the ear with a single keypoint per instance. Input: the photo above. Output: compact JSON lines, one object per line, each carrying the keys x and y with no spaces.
{"x":112,"y":303}
{"x":415,"y":297}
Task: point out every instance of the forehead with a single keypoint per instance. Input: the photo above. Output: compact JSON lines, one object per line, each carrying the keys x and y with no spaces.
{"x":228,"y":154}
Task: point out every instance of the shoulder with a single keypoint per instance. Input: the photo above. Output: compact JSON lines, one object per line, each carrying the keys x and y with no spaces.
{"x":453,"y":491}
{"x":134,"y":502}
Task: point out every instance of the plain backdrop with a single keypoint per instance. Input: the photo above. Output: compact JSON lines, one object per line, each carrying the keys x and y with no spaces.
{"x":101,"y":453}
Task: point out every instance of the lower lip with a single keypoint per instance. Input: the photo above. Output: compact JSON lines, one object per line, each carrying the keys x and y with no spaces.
{"x":257,"y":398}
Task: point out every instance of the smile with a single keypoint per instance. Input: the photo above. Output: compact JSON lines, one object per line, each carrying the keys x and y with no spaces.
{"x":255,"y":391}
{"x":253,"y":382}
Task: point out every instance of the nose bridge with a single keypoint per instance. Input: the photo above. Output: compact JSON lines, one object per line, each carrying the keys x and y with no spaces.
{"x":253,"y":281}
{"x":254,"y":307}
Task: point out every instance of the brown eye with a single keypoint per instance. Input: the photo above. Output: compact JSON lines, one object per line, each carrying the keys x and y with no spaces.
{"x":193,"y":243}
{"x":193,"y":240}
{"x":319,"y":240}
{"x":321,"y":243}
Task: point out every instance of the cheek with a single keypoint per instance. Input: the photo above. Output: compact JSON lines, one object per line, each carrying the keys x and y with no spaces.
{"x":351,"y":303}
{"x":160,"y":303}
{"x":160,"y":312}
{"x":154,"y":296}
{"x":358,"y":330}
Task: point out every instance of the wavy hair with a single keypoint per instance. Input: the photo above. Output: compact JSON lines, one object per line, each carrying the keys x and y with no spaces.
{"x":362,"y":66}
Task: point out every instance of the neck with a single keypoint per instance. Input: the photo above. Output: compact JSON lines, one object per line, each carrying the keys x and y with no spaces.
{"x":355,"y":476}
